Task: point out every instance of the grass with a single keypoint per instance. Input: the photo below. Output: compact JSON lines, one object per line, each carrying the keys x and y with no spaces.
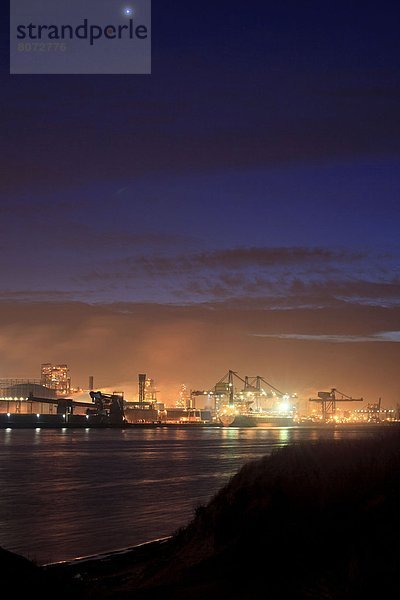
{"x":316,"y":520}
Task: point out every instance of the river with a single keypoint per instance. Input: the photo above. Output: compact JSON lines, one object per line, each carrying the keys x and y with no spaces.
{"x":68,"y":493}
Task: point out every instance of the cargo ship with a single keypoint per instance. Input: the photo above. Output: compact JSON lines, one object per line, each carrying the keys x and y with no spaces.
{"x":256,"y":419}
{"x":252,"y":405}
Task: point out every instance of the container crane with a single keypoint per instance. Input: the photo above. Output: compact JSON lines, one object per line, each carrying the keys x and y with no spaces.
{"x":328,"y":401}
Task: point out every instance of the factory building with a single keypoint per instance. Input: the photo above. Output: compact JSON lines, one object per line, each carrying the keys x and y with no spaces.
{"x":56,"y":377}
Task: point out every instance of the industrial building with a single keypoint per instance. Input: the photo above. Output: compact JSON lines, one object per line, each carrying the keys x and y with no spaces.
{"x":56,"y":377}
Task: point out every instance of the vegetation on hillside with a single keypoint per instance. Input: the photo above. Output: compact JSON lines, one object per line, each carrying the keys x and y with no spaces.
{"x":315,"y":520}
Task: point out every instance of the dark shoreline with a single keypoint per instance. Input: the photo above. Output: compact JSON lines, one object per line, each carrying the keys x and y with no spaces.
{"x":75,"y":565}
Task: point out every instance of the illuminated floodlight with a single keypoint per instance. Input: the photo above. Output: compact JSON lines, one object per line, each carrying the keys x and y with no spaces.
{"x":285,"y":406}
{"x":128,"y":11}
{"x":38,"y":415}
{"x":8,"y":414}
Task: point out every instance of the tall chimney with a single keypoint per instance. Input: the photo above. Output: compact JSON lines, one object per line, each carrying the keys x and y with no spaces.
{"x":91,"y":383}
{"x":142,"y":383}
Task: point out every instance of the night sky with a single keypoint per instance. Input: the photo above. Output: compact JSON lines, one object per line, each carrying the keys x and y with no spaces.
{"x":238,"y":208}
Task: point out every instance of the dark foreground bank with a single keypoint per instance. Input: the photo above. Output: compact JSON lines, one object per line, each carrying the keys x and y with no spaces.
{"x":310,"y":521}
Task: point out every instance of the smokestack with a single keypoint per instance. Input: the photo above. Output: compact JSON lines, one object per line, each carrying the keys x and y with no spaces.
{"x":142,"y":384}
{"x":91,"y":383}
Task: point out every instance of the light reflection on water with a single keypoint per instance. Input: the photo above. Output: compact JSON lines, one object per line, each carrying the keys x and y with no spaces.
{"x":75,"y":492}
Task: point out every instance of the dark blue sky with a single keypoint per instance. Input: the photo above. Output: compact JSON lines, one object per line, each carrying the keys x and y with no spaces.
{"x":258,"y":166}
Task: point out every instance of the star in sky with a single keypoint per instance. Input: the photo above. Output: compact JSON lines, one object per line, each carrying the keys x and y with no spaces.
{"x":128,"y":11}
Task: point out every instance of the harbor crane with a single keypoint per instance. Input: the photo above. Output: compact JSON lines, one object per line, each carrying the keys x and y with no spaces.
{"x":328,"y":401}
{"x":225,"y":386}
{"x":251,"y":384}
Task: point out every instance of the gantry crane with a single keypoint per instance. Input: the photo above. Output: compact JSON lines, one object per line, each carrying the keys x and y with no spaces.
{"x":328,"y":402}
{"x":253,"y":384}
{"x":225,"y":386}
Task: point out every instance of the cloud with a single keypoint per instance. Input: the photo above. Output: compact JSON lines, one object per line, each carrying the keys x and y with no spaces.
{"x":43,"y":295}
{"x":239,"y":258}
{"x":272,"y":278}
{"x":291,"y":290}
{"x":227,"y":263}
{"x":383,"y":336}
{"x":355,"y":290}
{"x":275,"y":277}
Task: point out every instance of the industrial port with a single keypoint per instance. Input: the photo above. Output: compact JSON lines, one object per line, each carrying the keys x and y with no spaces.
{"x":235,"y":401}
